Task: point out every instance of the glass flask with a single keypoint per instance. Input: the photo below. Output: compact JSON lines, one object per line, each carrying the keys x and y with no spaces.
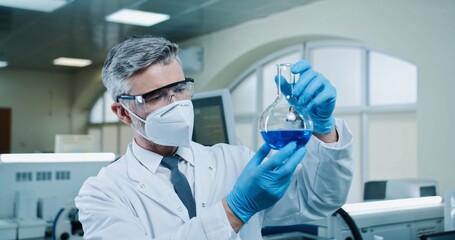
{"x":282,"y":123}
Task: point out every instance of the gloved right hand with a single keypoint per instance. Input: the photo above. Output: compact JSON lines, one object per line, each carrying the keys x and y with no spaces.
{"x":259,"y":186}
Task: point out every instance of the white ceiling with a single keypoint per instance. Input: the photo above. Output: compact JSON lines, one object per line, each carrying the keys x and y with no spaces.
{"x":32,"y":39}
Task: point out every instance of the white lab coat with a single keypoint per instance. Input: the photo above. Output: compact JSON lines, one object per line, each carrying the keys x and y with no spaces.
{"x":127,"y":201}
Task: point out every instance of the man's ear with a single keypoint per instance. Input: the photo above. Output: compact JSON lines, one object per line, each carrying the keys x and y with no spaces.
{"x":121,"y":112}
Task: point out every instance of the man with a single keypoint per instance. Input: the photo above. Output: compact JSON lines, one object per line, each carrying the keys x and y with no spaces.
{"x":231,"y":192}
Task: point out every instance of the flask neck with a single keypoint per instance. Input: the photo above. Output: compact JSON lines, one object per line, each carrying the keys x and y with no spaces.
{"x":284,"y":93}
{"x":282,"y":98}
{"x":285,"y":82}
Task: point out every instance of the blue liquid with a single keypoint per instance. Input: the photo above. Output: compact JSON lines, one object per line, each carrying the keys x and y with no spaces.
{"x":277,"y":139}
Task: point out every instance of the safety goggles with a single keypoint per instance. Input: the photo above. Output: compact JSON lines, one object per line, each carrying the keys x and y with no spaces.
{"x":157,"y":98}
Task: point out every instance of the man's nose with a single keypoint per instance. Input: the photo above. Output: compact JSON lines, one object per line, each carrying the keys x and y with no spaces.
{"x":172,"y":97}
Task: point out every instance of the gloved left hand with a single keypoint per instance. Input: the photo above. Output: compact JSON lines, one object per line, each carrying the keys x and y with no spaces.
{"x":315,"y":94}
{"x":262,"y":184}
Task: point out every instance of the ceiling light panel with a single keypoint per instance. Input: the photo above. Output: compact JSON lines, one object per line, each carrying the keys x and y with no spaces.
{"x":136,"y":17}
{"x":35,"y":5}
{"x":72,"y":62}
{"x":3,"y":64}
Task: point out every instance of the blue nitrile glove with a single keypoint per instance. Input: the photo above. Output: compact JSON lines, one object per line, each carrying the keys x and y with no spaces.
{"x":259,"y":186}
{"x":318,"y":95}
{"x":315,"y":94}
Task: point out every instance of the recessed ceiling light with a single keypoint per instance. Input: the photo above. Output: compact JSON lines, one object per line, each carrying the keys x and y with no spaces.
{"x":72,"y":62}
{"x":3,"y":64}
{"x":41,"y":5}
{"x":136,"y":17}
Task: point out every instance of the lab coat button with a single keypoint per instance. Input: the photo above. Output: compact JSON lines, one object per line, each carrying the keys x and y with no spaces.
{"x":142,"y":185}
{"x":210,"y":168}
{"x":180,"y":209}
{"x":203,"y":204}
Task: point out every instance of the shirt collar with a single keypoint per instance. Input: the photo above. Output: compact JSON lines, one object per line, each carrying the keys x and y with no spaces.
{"x":152,"y":160}
{"x":186,"y":154}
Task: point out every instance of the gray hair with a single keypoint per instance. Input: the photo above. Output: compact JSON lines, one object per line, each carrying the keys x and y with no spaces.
{"x":132,"y":56}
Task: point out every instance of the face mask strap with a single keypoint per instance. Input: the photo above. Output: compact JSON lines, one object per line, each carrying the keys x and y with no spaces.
{"x":135,"y":128}
{"x":132,"y":113}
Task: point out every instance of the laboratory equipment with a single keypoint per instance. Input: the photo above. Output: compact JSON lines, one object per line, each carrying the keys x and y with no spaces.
{"x":66,"y":224}
{"x":8,"y":229}
{"x":399,"y":188}
{"x":31,"y":183}
{"x":449,"y":210}
{"x":213,"y":118}
{"x":30,"y":228}
{"x":75,"y":143}
{"x":284,"y":120}
{"x":404,"y":219}
{"x":449,"y":235}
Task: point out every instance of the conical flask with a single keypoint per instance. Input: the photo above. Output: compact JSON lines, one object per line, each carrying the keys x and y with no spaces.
{"x":282,"y":123}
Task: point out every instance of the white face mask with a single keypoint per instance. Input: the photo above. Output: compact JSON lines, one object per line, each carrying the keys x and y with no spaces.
{"x":171,"y":125}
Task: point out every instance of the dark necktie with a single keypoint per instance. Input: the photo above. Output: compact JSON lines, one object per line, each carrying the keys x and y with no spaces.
{"x":181,"y":185}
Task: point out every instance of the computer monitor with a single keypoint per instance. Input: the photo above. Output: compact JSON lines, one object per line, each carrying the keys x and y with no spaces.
{"x":213,"y":118}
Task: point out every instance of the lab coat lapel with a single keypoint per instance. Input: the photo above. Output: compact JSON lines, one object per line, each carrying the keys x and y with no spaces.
{"x":203,"y":170}
{"x":154,"y":188}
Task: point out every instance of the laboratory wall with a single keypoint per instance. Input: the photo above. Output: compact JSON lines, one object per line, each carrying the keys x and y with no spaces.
{"x":88,"y":87}
{"x":41,"y":104}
